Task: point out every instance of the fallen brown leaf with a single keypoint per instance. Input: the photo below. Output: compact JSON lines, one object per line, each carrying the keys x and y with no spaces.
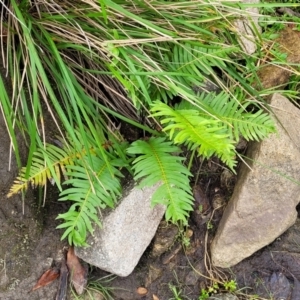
{"x":78,"y":273}
{"x":155,"y":297}
{"x":48,"y":277}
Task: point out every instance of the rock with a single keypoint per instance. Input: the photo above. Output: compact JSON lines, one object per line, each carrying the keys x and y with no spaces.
{"x":142,"y":291}
{"x":263,"y":204}
{"x":126,"y":233}
{"x":223,"y":297}
{"x":279,"y":286}
{"x":272,"y":75}
{"x":247,"y":28}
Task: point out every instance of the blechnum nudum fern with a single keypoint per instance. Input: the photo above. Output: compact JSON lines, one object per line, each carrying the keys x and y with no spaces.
{"x":123,"y":59}
{"x":211,"y":126}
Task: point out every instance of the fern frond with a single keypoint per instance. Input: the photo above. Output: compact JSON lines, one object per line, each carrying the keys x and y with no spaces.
{"x":47,"y":163}
{"x":187,"y":127}
{"x":91,"y":187}
{"x":191,"y":58}
{"x":252,"y":125}
{"x":155,"y":163}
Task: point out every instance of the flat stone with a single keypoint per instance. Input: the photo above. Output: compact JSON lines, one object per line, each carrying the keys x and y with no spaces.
{"x":126,"y":233}
{"x":263,"y":203}
{"x":248,"y":27}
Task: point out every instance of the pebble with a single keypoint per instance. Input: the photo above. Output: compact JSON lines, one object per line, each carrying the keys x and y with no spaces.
{"x":142,"y":291}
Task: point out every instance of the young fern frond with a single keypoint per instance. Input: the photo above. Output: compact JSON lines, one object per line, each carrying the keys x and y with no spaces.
{"x":155,"y":163}
{"x":91,"y":187}
{"x":186,"y":126}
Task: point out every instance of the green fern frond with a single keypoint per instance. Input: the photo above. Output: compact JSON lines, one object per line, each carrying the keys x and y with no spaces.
{"x":191,"y":58}
{"x":239,"y":121}
{"x":90,"y":189}
{"x":47,"y":163}
{"x":155,"y":163}
{"x":252,"y":125}
{"x":208,"y":136}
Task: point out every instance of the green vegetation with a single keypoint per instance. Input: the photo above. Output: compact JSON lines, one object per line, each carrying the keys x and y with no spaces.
{"x":82,"y":68}
{"x":97,"y":289}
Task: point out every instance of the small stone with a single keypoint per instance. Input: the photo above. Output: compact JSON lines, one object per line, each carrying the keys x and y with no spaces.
{"x":47,"y":263}
{"x":126,"y":233}
{"x":142,"y":291}
{"x":279,"y":286}
{"x":189,"y":233}
{"x":227,"y":179}
{"x":218,"y":200}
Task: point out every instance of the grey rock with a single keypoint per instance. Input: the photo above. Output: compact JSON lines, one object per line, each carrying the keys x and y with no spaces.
{"x":263,"y":203}
{"x":248,"y":27}
{"x":279,"y":286}
{"x":223,"y":297}
{"x":126,"y":233}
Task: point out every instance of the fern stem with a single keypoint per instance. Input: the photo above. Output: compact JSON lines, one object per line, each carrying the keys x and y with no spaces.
{"x":191,"y":160}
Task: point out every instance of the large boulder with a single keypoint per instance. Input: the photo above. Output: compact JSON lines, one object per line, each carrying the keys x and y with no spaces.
{"x":126,"y":233}
{"x":263,"y":203}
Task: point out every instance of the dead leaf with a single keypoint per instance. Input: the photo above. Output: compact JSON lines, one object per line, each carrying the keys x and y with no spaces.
{"x":155,"y":297}
{"x":142,"y":291}
{"x":77,"y":271}
{"x":49,"y":276}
